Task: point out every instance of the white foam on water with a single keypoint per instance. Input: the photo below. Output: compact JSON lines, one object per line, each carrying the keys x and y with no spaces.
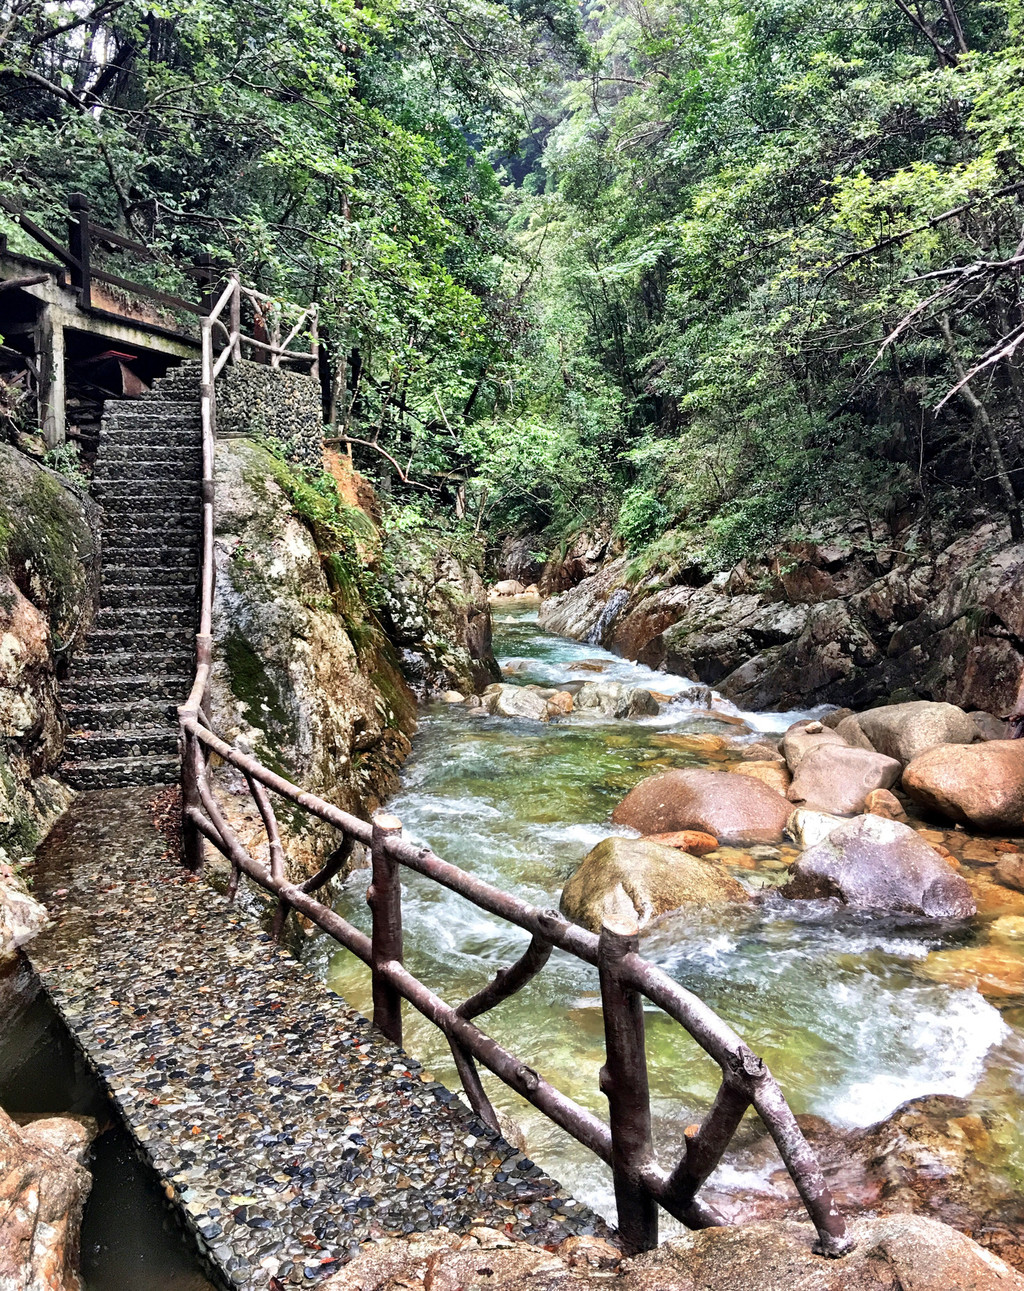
{"x":934,"y":1045}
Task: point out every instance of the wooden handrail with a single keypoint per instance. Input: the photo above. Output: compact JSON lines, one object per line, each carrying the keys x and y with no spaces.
{"x":626,"y":1144}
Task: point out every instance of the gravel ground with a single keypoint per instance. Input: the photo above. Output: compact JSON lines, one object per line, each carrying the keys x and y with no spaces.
{"x":290,"y":1131}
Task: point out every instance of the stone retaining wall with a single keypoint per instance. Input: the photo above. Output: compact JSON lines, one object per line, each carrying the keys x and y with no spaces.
{"x":259,"y":402}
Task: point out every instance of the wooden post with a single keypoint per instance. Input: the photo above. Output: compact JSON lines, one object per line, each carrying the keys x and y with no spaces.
{"x":235,"y":318}
{"x":80,"y":246}
{"x":192,"y":850}
{"x":384,"y":897}
{"x":52,"y":389}
{"x":314,"y":342}
{"x":624,"y":1082}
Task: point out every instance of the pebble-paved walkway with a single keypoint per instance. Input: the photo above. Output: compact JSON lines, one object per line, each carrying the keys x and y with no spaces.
{"x":289,"y":1130}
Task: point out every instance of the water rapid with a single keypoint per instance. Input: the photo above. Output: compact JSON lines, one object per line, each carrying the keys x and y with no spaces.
{"x":835,"y":1001}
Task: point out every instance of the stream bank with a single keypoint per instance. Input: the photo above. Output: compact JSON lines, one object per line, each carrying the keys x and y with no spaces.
{"x":850,"y":1009}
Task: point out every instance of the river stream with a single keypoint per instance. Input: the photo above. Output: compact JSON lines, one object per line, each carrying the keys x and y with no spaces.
{"x":836,"y":1002}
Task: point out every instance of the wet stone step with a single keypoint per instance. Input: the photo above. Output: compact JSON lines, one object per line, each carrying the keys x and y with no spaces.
{"x":107,"y":716}
{"x":151,"y":663}
{"x":159,"y":424}
{"x":140,"y":617}
{"x":131,"y":640}
{"x":119,"y":546}
{"x":93,"y":746}
{"x":125,"y":594}
{"x":116,"y":576}
{"x":290,"y":1132}
{"x":125,"y":688}
{"x":134,"y":456}
{"x":121,"y":772}
{"x":161,"y":493}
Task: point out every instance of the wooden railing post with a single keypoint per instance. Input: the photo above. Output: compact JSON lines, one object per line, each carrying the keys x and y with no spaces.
{"x":624,"y":1082}
{"x":192,"y":851}
{"x":235,"y":318}
{"x":384,"y":897}
{"x":314,"y":341}
{"x":80,"y":246}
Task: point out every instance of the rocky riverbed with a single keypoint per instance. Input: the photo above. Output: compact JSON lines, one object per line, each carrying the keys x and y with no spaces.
{"x":897,"y":1033}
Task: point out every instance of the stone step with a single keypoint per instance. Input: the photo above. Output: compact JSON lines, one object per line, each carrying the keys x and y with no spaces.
{"x":152,"y":663}
{"x":101,"y":746}
{"x":109,"y":773}
{"x":159,"y":475}
{"x":153,"y":513}
{"x":106,"y":715}
{"x":124,"y":487}
{"x":168,"y":457}
{"x":174,"y":586}
{"x":166,"y":565}
{"x":125,"y":688}
{"x":163,"y":432}
{"x":151,"y":639}
{"x":148,"y":617}
{"x":126,"y":594}
{"x":147,"y":542}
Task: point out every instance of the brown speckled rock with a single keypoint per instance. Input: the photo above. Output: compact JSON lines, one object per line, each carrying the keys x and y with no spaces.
{"x":979,"y":785}
{"x":43,"y":1187}
{"x":735,"y":809}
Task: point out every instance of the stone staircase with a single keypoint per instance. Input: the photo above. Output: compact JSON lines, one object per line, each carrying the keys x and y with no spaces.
{"x":138,"y":660}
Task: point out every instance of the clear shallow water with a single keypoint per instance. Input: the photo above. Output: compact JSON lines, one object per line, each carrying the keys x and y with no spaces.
{"x":832,"y":1001}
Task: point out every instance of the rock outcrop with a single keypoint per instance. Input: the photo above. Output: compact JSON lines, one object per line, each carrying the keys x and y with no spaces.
{"x":892,"y":1253}
{"x":22,"y":917}
{"x":48,"y":559}
{"x":735,"y":809}
{"x":978,"y":785}
{"x":437,"y":614}
{"x":880,"y":864}
{"x":826,"y":621}
{"x":302,"y":676}
{"x":43,"y":1188}
{"x":639,"y":879}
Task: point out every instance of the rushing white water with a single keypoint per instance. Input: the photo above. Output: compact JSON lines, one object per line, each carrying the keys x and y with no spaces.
{"x":831,"y":999}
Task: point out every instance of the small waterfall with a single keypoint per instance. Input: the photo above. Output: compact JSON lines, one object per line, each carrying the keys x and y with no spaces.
{"x":606,"y":619}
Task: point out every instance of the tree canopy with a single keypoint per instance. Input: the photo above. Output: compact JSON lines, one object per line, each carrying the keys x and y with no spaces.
{"x":721,"y":267}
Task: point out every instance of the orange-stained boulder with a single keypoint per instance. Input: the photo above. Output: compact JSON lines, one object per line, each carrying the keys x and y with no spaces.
{"x":735,"y":809}
{"x":981,"y":785}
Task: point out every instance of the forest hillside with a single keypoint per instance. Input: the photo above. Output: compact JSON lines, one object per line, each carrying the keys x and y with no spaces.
{"x":717,"y":272}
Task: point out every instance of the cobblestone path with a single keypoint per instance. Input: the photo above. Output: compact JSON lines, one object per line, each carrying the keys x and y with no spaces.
{"x":289,"y":1130}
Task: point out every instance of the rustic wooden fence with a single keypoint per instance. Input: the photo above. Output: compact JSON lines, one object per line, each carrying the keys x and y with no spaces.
{"x":625,"y":1142}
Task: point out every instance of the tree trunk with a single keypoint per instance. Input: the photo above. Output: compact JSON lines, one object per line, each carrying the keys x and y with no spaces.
{"x":979,"y":414}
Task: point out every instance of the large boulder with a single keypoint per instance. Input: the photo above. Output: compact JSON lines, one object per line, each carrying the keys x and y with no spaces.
{"x":21,"y":915}
{"x":653,"y":879}
{"x":892,"y":1253}
{"x":981,"y":785}
{"x":735,"y":809}
{"x":881,"y":865}
{"x":516,"y":701}
{"x":904,"y":731}
{"x":837,"y":779}
{"x":804,"y":736}
{"x":616,"y":699}
{"x":43,"y":1187}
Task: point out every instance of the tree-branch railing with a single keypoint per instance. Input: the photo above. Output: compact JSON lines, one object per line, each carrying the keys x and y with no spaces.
{"x":625,"y":1142}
